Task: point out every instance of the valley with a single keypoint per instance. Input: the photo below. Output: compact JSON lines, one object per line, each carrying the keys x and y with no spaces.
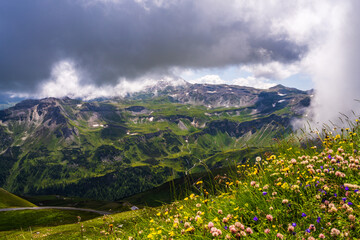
{"x":110,"y":149}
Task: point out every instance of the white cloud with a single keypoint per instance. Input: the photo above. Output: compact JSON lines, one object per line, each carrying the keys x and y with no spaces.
{"x":209,"y":79}
{"x":272,"y":70}
{"x":65,"y":81}
{"x":261,"y":83}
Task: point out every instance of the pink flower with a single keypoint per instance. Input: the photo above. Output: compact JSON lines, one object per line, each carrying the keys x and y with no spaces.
{"x":249,"y":230}
{"x":290,"y":228}
{"x":210,"y":225}
{"x":269,"y":217}
{"x":352,"y":218}
{"x":285,"y":201}
{"x":267,"y":231}
{"x":322,"y":236}
{"x":279,"y":235}
{"x":225,"y":220}
{"x":334,"y":232}
{"x":239,"y":225}
{"x":220,"y":211}
{"x":233,"y":229}
{"x":252,"y":183}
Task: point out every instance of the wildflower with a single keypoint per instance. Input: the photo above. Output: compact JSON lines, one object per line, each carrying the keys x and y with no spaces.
{"x":220,"y":211}
{"x":334,"y":232}
{"x":293,"y":224}
{"x":312,"y":227}
{"x":264,"y":193}
{"x":269,"y":217}
{"x":303,"y":215}
{"x":249,"y":230}
{"x":210,"y":225}
{"x":187,"y":224}
{"x":322,"y":236}
{"x":350,"y":203}
{"x":285,"y":201}
{"x":267,"y":231}
{"x":352,"y":218}
{"x":318,"y":219}
{"x":198,"y":205}
{"x":279,"y":235}
{"x":239,"y":225}
{"x":255,"y":219}
{"x":290,"y":228}
{"x":252,"y":183}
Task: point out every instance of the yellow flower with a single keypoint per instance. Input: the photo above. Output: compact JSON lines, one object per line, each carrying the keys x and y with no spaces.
{"x":158,"y":214}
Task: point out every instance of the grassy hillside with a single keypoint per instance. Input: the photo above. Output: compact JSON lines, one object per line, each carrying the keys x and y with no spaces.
{"x":8,"y":200}
{"x":301,"y":192}
{"x":33,"y":219}
{"x":114,"y":149}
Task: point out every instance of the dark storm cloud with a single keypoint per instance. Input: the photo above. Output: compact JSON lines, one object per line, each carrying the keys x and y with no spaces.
{"x":107,"y":39}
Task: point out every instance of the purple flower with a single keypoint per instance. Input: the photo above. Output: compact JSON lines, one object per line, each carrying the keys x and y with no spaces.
{"x":293,"y":224}
{"x":318,"y":219}
{"x":264,"y":193}
{"x":335,"y":194}
{"x":308,"y":230}
{"x":350,"y":203}
{"x":226,"y":227}
{"x":255,"y":218}
{"x":356,"y":190}
{"x":329,"y":156}
{"x":347,"y":188}
{"x":344,"y":199}
{"x":321,"y":167}
{"x":303,"y":215}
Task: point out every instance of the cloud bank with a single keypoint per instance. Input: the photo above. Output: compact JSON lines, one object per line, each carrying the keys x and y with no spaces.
{"x":108,"y":47}
{"x":110,"y":40}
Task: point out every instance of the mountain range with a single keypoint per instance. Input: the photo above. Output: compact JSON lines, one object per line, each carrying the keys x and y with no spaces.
{"x":115,"y":147}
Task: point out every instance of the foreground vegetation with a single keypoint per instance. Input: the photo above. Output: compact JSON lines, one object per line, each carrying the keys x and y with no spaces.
{"x":298,"y":191}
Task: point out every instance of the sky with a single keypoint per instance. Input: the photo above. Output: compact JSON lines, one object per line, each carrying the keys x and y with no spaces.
{"x":94,"y":48}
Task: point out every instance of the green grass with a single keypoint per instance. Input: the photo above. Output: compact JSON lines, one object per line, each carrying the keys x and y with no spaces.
{"x":26,"y":219}
{"x":300,"y":192}
{"x":8,"y":200}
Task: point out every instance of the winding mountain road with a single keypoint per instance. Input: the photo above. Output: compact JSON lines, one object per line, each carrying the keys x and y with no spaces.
{"x":49,"y":207}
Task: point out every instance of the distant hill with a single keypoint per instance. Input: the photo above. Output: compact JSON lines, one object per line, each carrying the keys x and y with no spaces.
{"x":8,"y":200}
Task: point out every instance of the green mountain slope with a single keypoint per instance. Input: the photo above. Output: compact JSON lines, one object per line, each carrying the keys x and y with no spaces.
{"x":112,"y":149}
{"x":8,"y":200}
